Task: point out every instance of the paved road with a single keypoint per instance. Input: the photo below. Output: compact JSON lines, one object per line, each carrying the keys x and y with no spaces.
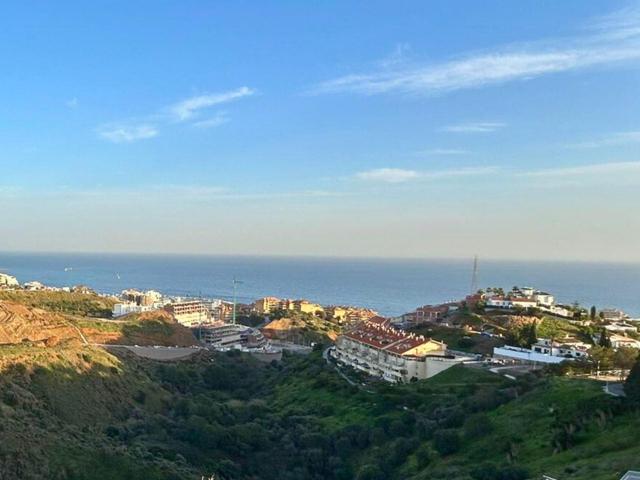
{"x":292,"y":347}
{"x":157,"y":352}
{"x":615,"y":389}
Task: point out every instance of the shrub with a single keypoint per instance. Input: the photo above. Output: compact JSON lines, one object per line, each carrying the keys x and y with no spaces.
{"x":446,"y":442}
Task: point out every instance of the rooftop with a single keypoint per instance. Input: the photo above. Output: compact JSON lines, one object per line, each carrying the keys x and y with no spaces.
{"x":376,"y":333}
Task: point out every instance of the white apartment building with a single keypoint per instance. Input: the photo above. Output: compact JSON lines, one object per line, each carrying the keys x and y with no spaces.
{"x":8,"y":281}
{"x":189,"y":313}
{"x":122,"y":309}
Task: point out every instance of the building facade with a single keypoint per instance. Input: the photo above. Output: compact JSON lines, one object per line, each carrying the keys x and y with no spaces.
{"x":189,"y":313}
{"x":379,"y":350}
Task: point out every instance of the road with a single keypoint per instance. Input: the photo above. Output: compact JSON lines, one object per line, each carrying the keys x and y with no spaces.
{"x":157,"y":352}
{"x":615,"y":389}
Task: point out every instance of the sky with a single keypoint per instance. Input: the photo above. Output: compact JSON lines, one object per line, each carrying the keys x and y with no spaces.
{"x":435,"y":129}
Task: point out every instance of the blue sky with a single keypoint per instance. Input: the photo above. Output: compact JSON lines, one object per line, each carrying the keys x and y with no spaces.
{"x":420,"y":129}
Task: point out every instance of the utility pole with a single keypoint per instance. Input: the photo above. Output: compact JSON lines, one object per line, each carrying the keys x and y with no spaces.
{"x":474,"y":276}
{"x":235,"y":285}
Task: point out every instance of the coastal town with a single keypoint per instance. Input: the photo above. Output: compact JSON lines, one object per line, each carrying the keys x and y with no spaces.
{"x":519,"y":329}
{"x":490,"y":348}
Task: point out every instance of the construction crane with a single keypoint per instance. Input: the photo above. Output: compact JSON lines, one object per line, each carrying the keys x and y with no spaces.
{"x":236,"y":282}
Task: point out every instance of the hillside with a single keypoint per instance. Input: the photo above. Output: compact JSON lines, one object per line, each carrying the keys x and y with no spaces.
{"x":70,"y":411}
{"x":301,"y":327}
{"x":73,"y":303}
{"x":19,"y":323}
{"x":149,"y":328}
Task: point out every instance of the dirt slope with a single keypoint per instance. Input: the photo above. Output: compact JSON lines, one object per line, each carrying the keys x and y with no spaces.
{"x":19,"y":323}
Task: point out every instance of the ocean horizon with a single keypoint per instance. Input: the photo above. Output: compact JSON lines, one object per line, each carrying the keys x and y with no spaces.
{"x":390,"y":286}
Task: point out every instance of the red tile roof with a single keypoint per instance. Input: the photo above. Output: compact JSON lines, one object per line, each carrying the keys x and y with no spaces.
{"x":379,"y":335}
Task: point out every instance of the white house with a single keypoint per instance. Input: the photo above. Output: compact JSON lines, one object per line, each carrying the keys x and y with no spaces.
{"x":618,"y":341}
{"x":566,"y":349}
{"x":8,"y":281}
{"x":621,"y":327}
{"x":543,"y":298}
{"x":525,"y":355}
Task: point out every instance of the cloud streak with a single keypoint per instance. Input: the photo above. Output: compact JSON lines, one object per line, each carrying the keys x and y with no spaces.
{"x":443,"y":151}
{"x":398,"y":175}
{"x":475,"y":127}
{"x":614,"y":39}
{"x":188,"y":110}
{"x":611,"y":140}
{"x":127,"y":133}
{"x":599,"y":169}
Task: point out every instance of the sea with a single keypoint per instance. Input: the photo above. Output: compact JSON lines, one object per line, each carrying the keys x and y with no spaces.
{"x":390,"y":286}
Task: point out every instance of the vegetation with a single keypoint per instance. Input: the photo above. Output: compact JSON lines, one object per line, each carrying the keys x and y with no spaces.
{"x":72,"y":412}
{"x":85,"y":413}
{"x":73,"y":303}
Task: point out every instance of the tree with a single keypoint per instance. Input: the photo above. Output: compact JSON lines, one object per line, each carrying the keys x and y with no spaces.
{"x":446,"y":442}
{"x":602,"y":356}
{"x":625,"y":358}
{"x":592,"y":312}
{"x":477,"y":426}
{"x":604,"y":341}
{"x":371,"y":472}
{"x":531,"y":334}
{"x":632,"y":384}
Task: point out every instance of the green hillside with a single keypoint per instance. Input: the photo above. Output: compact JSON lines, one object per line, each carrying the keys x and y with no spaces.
{"x":82,"y":413}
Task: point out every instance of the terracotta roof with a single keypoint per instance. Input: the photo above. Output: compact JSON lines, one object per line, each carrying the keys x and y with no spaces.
{"x":378,"y":335}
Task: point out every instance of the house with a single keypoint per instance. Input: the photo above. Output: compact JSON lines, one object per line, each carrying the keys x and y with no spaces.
{"x":544,"y":299}
{"x":613,"y":315}
{"x":379,"y":350}
{"x":8,"y":281}
{"x":425,"y":314}
{"x":621,"y":327}
{"x":544,"y":351}
{"x":573,"y":349}
{"x":524,"y":355}
{"x":619,"y":341}
{"x":497,"y":302}
{"x":34,"y":286}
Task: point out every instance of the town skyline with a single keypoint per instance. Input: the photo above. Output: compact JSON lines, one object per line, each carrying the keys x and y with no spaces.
{"x":507,"y":131}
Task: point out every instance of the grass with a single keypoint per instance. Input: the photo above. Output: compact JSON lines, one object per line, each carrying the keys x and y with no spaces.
{"x":83,"y":304}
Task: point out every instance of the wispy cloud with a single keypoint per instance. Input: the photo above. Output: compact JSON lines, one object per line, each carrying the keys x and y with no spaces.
{"x":613,"y":139}
{"x":215,"y":121}
{"x":398,"y":175}
{"x":610,"y":40}
{"x":127,"y":133}
{"x":388,"y":175}
{"x":443,"y":151}
{"x":186,"y":109}
{"x":474,"y":127}
{"x":72,"y":103}
{"x":191,"y":110}
{"x":594,"y":169}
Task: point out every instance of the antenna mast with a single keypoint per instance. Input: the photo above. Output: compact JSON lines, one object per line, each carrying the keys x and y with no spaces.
{"x":474,"y":276}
